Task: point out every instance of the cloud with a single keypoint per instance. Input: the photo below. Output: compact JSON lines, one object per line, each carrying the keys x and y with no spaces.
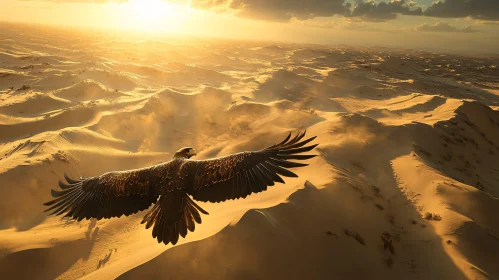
{"x":478,"y":9}
{"x":284,"y":10}
{"x":442,"y":27}
{"x":383,"y":11}
{"x":366,"y":10}
{"x":487,"y":22}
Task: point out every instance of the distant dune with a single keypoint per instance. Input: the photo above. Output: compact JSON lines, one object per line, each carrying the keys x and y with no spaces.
{"x":406,"y":184}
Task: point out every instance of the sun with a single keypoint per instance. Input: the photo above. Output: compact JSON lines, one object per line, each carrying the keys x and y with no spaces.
{"x":150,"y":14}
{"x":150,"y":10}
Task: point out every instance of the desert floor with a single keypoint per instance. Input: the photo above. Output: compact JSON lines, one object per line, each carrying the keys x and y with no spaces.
{"x":405,"y":186}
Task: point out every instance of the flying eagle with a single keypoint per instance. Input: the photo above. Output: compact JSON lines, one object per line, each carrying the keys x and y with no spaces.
{"x":169,"y":186}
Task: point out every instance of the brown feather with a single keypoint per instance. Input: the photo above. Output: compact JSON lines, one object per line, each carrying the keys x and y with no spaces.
{"x":238,"y":175}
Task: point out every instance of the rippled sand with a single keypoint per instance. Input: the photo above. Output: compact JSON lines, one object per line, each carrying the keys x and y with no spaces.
{"x":405,"y":187}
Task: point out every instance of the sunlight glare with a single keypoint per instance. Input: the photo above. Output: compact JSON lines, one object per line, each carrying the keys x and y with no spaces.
{"x":154,"y":14}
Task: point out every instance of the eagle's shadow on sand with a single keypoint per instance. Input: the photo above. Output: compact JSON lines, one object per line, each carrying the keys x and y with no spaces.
{"x":50,"y":263}
{"x":45,"y":263}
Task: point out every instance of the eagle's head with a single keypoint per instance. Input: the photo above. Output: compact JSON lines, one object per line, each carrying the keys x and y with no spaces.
{"x":186,"y":152}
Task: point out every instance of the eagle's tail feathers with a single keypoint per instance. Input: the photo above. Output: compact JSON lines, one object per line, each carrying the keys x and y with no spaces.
{"x":172,"y":215}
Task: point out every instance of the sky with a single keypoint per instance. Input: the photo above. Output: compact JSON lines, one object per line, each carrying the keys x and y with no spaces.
{"x":452,"y":25}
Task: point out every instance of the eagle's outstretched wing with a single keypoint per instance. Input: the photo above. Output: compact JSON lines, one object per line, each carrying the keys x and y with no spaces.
{"x":238,"y":175}
{"x":112,"y":194}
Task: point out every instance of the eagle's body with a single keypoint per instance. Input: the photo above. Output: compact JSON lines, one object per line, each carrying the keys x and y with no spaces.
{"x":169,"y":186}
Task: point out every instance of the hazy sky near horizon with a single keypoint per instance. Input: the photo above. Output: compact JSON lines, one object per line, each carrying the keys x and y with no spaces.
{"x":453,"y":25}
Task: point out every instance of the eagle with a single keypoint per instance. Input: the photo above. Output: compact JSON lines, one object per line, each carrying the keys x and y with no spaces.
{"x":174,"y":186}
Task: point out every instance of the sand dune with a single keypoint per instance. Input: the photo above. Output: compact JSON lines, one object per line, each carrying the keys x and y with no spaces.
{"x":87,"y":90}
{"x":32,"y":105}
{"x":405,"y":185}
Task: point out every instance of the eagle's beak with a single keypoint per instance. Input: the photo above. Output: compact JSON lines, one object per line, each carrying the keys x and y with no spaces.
{"x":192,"y":152}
